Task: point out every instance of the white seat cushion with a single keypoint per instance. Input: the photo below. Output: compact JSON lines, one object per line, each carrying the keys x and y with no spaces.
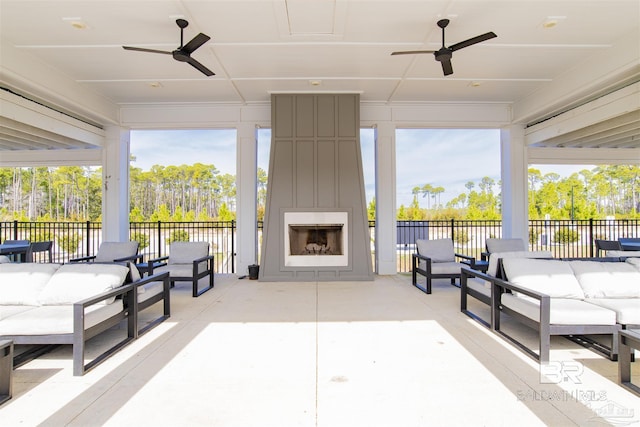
{"x":55,"y":319}
{"x":563,"y":311}
{"x":180,"y":270}
{"x":551,"y":277}
{"x":617,"y":254}
{"x":77,"y":281}
{"x":607,"y":279}
{"x":446,"y":267}
{"x":627,"y":310}
{"x":21,"y":283}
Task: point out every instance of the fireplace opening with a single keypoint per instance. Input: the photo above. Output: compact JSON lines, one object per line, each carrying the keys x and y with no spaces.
{"x":315,"y":239}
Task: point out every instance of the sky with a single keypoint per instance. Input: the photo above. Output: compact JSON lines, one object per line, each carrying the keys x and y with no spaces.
{"x":447,"y":158}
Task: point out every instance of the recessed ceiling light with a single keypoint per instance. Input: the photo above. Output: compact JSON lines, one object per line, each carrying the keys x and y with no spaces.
{"x":155,"y":84}
{"x":315,"y":82}
{"x":475,"y":84}
{"x":552,"y":21}
{"x":76,"y":22}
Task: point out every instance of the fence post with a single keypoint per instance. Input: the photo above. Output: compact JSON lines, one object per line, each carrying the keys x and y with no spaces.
{"x":15,"y":229}
{"x":233,"y":246}
{"x":159,"y":238}
{"x":452,"y":228}
{"x":591,"y":240}
{"x":88,"y":239}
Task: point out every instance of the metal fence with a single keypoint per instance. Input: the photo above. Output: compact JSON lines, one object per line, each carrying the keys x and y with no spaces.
{"x":564,"y":238}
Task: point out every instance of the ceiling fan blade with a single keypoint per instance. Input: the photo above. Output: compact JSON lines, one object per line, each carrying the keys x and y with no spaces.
{"x":141,"y":49}
{"x":472,"y":41}
{"x":412,"y":52}
{"x":447,"y":68}
{"x":195,"y":43}
{"x":198,"y":66}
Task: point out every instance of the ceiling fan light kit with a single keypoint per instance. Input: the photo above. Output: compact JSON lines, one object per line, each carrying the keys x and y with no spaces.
{"x":444,"y":54}
{"x":183,"y":52}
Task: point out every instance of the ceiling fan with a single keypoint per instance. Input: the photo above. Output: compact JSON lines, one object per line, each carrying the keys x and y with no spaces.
{"x":183,"y":53}
{"x":444,"y":54}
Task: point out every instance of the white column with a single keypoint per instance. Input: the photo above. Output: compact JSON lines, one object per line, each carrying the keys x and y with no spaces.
{"x":246,"y":182}
{"x":115,"y":185}
{"x":386,"y":198}
{"x":514,"y":175}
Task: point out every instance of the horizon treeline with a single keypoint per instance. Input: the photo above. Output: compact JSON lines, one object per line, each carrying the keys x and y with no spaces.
{"x":199,"y":192}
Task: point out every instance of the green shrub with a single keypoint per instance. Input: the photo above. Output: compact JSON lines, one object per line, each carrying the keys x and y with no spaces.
{"x":141,"y":238}
{"x":178,"y":236}
{"x":461,"y":237}
{"x":69,"y":242}
{"x":40,"y":236}
{"x":533,"y":236}
{"x":566,"y":235}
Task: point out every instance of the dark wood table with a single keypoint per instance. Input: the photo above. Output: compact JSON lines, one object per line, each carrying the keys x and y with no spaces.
{"x":480,"y":265}
{"x":16,"y":249}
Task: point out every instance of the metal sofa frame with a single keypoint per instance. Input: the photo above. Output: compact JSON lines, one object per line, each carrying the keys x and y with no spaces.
{"x":544,"y":327}
{"x":80,"y":335}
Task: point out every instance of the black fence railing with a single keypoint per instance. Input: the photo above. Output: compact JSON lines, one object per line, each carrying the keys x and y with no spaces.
{"x":564,"y":238}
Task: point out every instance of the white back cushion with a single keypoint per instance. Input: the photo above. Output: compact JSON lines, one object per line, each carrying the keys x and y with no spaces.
{"x":551,"y":277}
{"x":110,"y":251}
{"x":505,"y":245}
{"x":617,"y":254}
{"x":187,"y":252}
{"x":607,"y":279}
{"x":495,"y":256}
{"x":439,"y":250}
{"x":74,"y":282}
{"x":21,"y":283}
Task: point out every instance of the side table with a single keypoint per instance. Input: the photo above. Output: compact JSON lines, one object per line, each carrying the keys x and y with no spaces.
{"x":629,"y":340}
{"x":479,"y":265}
{"x":6,"y":370}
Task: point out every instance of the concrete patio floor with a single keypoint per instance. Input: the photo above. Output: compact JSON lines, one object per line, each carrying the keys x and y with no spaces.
{"x":381,"y":353}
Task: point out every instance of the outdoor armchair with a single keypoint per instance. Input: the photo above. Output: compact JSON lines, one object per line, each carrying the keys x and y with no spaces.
{"x":186,"y":262}
{"x":37,"y":247}
{"x":607,"y":245}
{"x":503,"y":245}
{"x":436,"y":259}
{"x":114,"y":252}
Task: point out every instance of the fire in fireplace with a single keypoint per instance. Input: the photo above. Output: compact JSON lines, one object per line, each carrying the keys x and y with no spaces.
{"x":315,"y":239}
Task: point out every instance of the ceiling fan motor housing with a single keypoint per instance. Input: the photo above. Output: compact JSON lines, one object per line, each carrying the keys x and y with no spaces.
{"x":443,"y":54}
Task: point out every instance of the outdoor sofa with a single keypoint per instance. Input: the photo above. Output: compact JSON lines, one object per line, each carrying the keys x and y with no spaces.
{"x":50,"y":304}
{"x":481,"y":289}
{"x":575,"y":298}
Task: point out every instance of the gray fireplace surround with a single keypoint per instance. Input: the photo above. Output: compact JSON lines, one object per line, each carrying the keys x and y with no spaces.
{"x":315,"y":226}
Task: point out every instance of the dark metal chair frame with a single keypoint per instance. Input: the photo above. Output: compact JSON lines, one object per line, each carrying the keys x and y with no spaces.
{"x":195,"y":276}
{"x":427,"y":272}
{"x":607,"y":245}
{"x":35,"y":247}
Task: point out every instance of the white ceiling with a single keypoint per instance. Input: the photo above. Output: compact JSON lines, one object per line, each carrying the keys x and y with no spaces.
{"x":268,"y":46}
